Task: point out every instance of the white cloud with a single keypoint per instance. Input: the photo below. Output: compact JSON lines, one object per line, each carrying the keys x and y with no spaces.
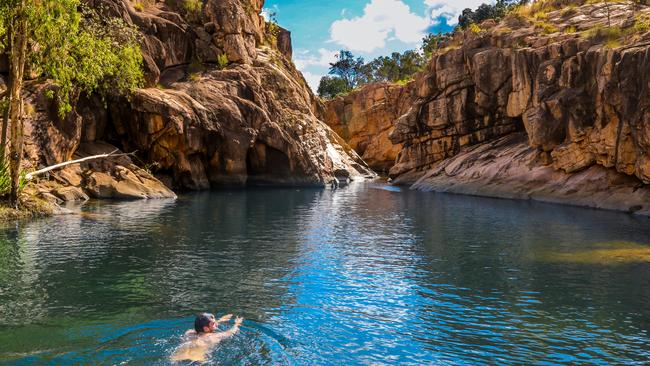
{"x":450,"y":10}
{"x":381,"y":19}
{"x":312,"y":79}
{"x":314,"y":66}
{"x":305,"y":59}
{"x":267,"y":12}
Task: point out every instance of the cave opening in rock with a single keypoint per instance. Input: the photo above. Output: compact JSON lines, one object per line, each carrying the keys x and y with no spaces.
{"x":266,"y":165}
{"x":519,"y":124}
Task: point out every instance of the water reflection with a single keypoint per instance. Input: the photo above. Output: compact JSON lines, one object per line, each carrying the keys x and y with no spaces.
{"x":361,"y":275}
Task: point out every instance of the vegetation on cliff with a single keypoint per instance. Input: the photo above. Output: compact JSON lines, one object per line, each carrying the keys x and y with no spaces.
{"x":350,"y":72}
{"x":79,"y":51}
{"x":549,"y":102}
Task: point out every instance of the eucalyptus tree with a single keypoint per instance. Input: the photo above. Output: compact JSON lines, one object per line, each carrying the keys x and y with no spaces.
{"x":70,"y":44}
{"x":348,"y":68}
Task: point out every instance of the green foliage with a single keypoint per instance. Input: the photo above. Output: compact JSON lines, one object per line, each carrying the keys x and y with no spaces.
{"x":397,"y":66}
{"x":351,"y":72}
{"x":222,"y":61}
{"x":486,"y":11}
{"x":348,"y":68}
{"x":603,"y":34}
{"x":4,"y":105}
{"x":474,"y":28}
{"x":641,"y":24}
{"x":569,"y":11}
{"x":404,"y":81}
{"x":546,"y":28}
{"x":570,"y":30}
{"x":190,"y":9}
{"x":432,"y":42}
{"x":272,"y":28}
{"x":79,"y":50}
{"x":3,"y":29}
{"x":5,"y":180}
{"x":330,"y":87}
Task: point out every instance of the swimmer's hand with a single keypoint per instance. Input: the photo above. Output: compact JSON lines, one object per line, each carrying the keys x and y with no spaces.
{"x":225,"y":318}
{"x":238,"y":321}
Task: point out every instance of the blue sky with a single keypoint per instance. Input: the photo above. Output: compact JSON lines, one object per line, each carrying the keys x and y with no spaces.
{"x":368,"y":28}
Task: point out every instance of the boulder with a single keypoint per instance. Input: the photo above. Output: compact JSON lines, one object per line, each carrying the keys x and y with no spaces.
{"x":71,"y":194}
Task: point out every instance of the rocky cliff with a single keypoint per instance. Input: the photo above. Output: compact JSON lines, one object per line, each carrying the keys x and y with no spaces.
{"x":364,"y":118}
{"x":223,"y":105}
{"x":575,"y":81}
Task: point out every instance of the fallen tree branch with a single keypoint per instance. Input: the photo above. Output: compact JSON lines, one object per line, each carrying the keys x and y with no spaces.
{"x":112,"y":154}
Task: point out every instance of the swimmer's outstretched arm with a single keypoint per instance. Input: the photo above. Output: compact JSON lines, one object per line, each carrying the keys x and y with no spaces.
{"x":217,"y":337}
{"x":224,"y":318}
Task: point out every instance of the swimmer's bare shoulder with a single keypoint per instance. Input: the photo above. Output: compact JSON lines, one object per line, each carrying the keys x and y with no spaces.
{"x":196,"y":347}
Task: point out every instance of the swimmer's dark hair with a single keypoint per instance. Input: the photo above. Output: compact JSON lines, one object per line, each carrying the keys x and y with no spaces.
{"x":202,"y":320}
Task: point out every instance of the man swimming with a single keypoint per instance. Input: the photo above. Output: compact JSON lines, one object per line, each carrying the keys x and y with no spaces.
{"x":203,"y":338}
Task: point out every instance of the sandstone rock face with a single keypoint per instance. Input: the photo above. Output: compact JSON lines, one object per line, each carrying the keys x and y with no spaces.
{"x":230,"y":27}
{"x":580,"y":103}
{"x":116,"y":177}
{"x":459,"y":101}
{"x":507,"y":168}
{"x":198,"y":124}
{"x":246,"y":124}
{"x":365,"y":118}
{"x":283,"y":42}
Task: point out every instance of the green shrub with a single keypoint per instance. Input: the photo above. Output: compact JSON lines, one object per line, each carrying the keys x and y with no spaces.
{"x":641,"y":25}
{"x":568,"y":11}
{"x":570,"y":30}
{"x":474,"y":28}
{"x":222,"y":60}
{"x":547,"y":28}
{"x":5,"y":180}
{"x":404,"y":81}
{"x":603,"y":34}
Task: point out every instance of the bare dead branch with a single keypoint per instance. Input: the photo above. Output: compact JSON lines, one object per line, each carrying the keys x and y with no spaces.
{"x":112,"y":154}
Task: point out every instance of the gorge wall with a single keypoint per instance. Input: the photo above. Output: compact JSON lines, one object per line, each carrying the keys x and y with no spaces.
{"x":200,"y":122}
{"x":554,"y":112}
{"x":364,"y":118}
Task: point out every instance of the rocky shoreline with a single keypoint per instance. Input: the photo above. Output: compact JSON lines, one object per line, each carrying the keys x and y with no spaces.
{"x":224,"y":105}
{"x":509,"y":168}
{"x":510,"y":110}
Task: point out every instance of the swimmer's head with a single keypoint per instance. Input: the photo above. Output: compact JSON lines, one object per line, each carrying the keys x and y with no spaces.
{"x":205,"y":323}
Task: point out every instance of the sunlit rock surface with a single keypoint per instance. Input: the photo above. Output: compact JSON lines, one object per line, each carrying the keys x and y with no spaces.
{"x":199,"y":122}
{"x":365,"y":117}
{"x":582,"y":105}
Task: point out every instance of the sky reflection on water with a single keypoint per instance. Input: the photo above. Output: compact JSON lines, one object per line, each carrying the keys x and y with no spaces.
{"x":355,"y":276}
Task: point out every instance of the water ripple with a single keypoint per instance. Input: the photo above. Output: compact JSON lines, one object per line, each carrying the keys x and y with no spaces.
{"x":366,"y":275}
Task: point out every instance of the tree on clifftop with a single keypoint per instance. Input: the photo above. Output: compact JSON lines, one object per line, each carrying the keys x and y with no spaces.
{"x":71,"y":45}
{"x":330,"y":87}
{"x":347,"y":68}
{"x":487,"y":11}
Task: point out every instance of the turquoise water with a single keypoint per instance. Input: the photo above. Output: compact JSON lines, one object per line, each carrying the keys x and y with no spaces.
{"x":365,"y":275}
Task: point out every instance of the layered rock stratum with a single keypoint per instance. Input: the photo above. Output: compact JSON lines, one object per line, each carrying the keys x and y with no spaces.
{"x":365,"y":119}
{"x":554,"y":110}
{"x":223,"y":105}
